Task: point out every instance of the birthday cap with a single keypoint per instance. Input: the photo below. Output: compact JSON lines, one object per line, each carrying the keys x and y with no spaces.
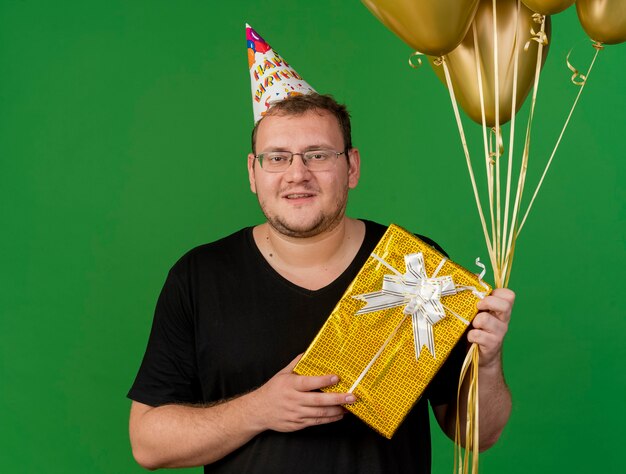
{"x":272,"y":78}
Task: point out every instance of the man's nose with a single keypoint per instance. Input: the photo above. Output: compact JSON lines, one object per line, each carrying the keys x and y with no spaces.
{"x":297,"y":170}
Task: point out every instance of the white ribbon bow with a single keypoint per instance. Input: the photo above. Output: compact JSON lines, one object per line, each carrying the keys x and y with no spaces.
{"x":418,"y":292}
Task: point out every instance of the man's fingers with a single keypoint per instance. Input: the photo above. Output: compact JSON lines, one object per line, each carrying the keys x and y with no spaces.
{"x":488,"y":322}
{"x":312,"y":413}
{"x":499,"y":307}
{"x":482,"y":338}
{"x":329,"y":419}
{"x":318,"y":420}
{"x":505,"y":294}
{"x":326,"y":399}
{"x":501,"y":299}
{"x":306,"y":383}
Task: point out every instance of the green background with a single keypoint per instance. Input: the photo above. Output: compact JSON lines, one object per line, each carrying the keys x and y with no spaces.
{"x":124,"y":129}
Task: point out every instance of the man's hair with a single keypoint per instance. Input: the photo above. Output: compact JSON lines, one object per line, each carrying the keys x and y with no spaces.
{"x":300,"y":104}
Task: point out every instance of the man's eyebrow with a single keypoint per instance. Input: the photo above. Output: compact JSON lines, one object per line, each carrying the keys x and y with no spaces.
{"x":318,"y":146}
{"x":275,"y":148}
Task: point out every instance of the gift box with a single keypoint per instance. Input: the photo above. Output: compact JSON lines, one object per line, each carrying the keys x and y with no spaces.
{"x":394,"y":327}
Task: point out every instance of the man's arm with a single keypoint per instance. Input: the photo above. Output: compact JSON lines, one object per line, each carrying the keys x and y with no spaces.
{"x":490,"y":327}
{"x":184,"y":436}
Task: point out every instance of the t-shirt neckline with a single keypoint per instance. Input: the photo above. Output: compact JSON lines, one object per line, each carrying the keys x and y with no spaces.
{"x":277,"y":276}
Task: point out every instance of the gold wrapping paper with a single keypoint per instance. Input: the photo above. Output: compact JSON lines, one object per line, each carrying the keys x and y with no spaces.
{"x":347,"y":342}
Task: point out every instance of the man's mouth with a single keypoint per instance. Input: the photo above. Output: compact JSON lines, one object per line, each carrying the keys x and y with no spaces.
{"x":298,"y":195}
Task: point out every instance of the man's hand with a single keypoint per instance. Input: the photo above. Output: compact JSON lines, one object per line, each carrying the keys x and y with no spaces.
{"x":290,"y":402}
{"x":184,"y":436}
{"x":490,"y":326}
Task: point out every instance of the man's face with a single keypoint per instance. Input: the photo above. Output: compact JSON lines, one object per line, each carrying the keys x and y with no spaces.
{"x":298,"y":202}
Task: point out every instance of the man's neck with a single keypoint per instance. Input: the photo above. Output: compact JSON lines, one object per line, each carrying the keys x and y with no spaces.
{"x":311,"y":262}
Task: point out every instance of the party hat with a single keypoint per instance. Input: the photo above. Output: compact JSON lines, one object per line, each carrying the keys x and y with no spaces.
{"x":272,"y":78}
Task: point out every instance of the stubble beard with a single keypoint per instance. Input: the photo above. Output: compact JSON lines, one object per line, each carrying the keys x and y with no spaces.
{"x":323,"y":222}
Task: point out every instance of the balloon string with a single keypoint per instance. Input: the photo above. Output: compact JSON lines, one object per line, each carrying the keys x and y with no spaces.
{"x":510,"y":255}
{"x":472,"y":441}
{"x":416,"y":54}
{"x":471,"y":432}
{"x":488,"y":161}
{"x":455,"y":108}
{"x":524,"y":165}
{"x":496,"y":78}
{"x":558,"y":142}
{"x":512,"y":130}
{"x":495,"y":140}
{"x":577,"y":78}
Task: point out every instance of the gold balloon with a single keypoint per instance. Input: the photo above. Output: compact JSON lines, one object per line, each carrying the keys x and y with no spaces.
{"x":603,"y":20}
{"x":462,"y":62}
{"x":548,"y":7}
{"x":432,"y":27}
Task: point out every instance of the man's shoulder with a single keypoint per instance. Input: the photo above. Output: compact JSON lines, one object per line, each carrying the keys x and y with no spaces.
{"x":377,"y":230}
{"x":216,"y":253}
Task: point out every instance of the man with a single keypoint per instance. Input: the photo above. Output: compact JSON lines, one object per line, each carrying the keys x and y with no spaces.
{"x":216,"y":386}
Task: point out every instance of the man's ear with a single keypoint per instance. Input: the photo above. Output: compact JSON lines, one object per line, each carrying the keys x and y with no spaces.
{"x":251,"y":178}
{"x":354,"y":167}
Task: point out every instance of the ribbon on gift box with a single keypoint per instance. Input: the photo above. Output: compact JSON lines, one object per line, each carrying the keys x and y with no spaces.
{"x":421,"y":297}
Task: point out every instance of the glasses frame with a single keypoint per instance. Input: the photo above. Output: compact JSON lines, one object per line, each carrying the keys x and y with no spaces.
{"x":259,"y":158}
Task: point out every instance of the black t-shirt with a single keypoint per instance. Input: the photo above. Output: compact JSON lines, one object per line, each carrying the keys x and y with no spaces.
{"x":226,"y":322}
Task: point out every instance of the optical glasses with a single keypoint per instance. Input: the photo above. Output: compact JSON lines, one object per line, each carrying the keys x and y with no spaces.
{"x":314,"y":160}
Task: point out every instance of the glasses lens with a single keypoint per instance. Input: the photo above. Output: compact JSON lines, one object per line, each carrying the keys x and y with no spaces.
{"x":319,"y":160}
{"x":315,"y":160}
{"x":275,"y":161}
